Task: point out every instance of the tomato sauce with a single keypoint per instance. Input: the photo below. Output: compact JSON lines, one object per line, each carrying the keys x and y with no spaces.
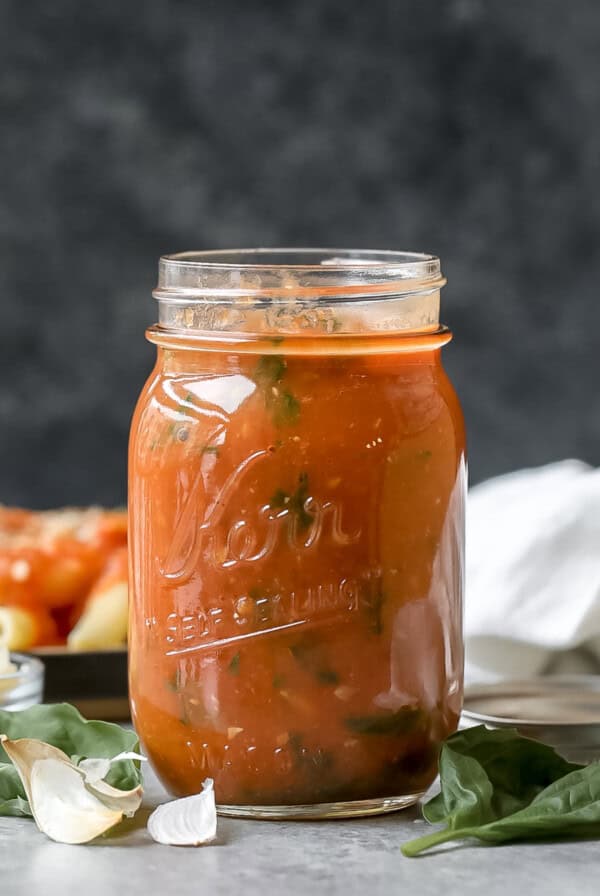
{"x":296,"y":525}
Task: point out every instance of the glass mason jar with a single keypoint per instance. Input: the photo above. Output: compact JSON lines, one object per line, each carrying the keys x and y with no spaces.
{"x":296,"y":499}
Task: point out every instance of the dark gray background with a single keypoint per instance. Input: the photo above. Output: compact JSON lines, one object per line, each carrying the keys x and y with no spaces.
{"x":466,"y":128}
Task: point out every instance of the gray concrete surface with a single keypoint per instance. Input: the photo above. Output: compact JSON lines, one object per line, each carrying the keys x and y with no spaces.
{"x":251,"y":858}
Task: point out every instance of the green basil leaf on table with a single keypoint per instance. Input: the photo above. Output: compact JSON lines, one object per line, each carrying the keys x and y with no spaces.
{"x":505,"y":769}
{"x":62,"y":726}
{"x":488,"y":776}
{"x":13,"y":800}
{"x":570,"y":807}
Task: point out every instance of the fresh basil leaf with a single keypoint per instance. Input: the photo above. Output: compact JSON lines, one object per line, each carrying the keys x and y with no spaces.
{"x":13,"y":800}
{"x":62,"y":726}
{"x":491,"y":782}
{"x":516,"y":767}
{"x":467,"y":792}
{"x":569,"y":807}
{"x":18,"y":808}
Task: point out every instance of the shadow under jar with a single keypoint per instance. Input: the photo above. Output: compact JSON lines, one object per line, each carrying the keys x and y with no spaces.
{"x":297,"y":484}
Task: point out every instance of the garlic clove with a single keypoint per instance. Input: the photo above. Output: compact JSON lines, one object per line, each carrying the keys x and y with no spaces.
{"x":27,"y":750}
{"x":94,"y":769}
{"x":97,"y":769}
{"x":190,"y":821}
{"x":68,"y":801}
{"x":63,"y":807}
{"x":125,"y":801}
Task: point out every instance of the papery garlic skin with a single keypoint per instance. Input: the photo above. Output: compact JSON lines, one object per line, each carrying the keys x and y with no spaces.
{"x":190,"y":821}
{"x":125,"y":801}
{"x":27,"y":750}
{"x":98,"y":769}
{"x":64,"y":808}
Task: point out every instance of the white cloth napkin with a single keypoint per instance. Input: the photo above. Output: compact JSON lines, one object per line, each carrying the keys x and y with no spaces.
{"x":533,"y":573}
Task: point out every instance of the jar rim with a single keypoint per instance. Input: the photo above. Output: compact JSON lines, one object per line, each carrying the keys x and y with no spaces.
{"x":303,"y":292}
{"x":304,"y":273}
{"x":335,"y":259}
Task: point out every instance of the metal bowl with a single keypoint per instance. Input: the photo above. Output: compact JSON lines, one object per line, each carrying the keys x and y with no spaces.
{"x":560,"y":710}
{"x":24,"y":686}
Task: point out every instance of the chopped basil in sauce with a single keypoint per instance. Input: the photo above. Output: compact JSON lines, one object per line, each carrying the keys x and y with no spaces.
{"x":269,"y":370}
{"x":286,"y":409}
{"x":310,"y":761}
{"x":327,"y":676}
{"x":373,"y":603}
{"x":311,"y":658}
{"x":279,"y":499}
{"x":402,"y":721}
{"x":268,"y":375}
{"x":173,"y":683}
{"x":295,"y":502}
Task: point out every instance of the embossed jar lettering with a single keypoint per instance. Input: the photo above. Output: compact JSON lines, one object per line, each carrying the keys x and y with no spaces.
{"x":246,"y":540}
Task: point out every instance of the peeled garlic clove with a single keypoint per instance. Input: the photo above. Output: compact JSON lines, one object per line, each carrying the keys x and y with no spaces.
{"x":186,"y":822}
{"x":63,"y":807}
{"x":125,"y":801}
{"x":97,"y":769}
{"x":27,"y":750}
{"x":94,"y":769}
